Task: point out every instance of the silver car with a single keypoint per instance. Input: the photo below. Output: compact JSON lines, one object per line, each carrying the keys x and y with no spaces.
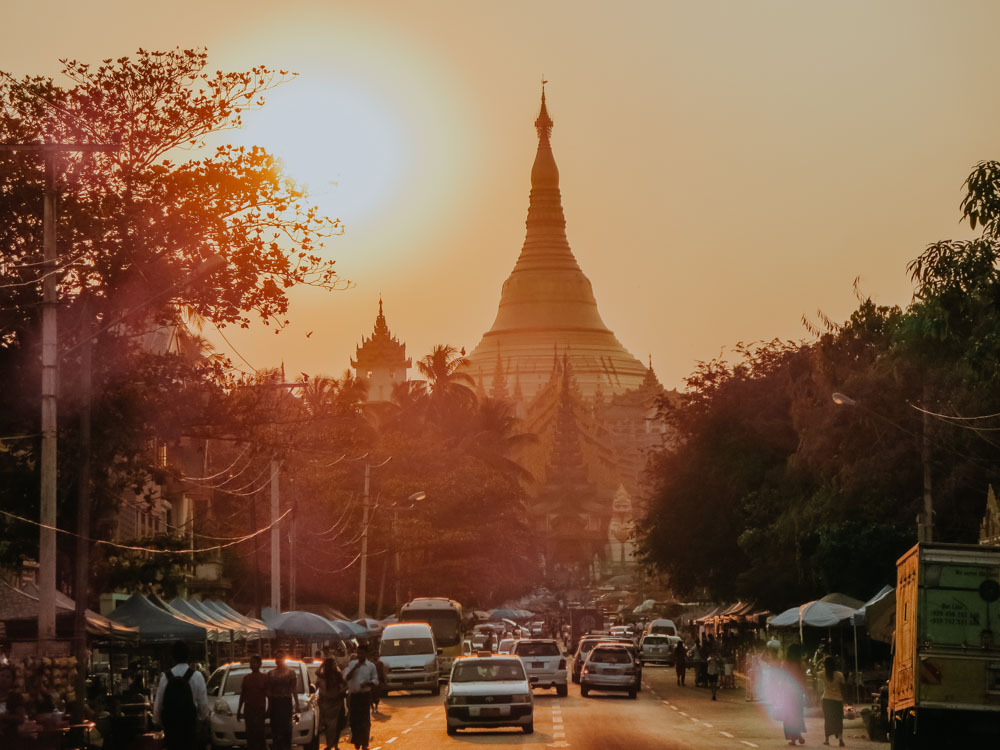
{"x":610,"y":666}
{"x":658,"y":649}
{"x":224,"y":697}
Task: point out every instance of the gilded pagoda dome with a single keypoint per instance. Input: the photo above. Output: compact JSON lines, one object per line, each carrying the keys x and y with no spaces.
{"x":547,"y":303}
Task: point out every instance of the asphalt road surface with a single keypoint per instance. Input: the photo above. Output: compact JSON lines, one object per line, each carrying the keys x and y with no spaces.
{"x":664,"y":716}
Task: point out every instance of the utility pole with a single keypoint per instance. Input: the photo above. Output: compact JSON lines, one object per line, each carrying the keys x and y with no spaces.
{"x":50,"y":359}
{"x":81,"y":585}
{"x":925,"y":527}
{"x":364,"y":542}
{"x":275,"y":540}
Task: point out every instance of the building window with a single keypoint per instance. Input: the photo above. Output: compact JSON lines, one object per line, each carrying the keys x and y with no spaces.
{"x":369,"y":374}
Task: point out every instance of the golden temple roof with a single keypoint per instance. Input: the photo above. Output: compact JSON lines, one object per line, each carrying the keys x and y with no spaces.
{"x":547,"y":303}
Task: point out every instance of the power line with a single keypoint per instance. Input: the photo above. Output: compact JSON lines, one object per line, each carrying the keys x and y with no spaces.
{"x":149,"y":550}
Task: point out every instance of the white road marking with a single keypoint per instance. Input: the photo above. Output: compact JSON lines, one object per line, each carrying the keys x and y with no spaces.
{"x":693,"y":719}
{"x":429,"y":715}
{"x":389,"y":742}
{"x":707,"y":724}
{"x":684,"y":713}
{"x":417,"y":724}
{"x":557,"y":719}
{"x":407,"y":731}
{"x":727,"y":734}
{"x":558,"y":735}
{"x":560,"y":743}
{"x":675,"y":708}
{"x":749,"y":744}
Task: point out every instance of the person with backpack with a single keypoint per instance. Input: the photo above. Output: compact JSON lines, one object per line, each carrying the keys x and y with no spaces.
{"x":181,"y":700}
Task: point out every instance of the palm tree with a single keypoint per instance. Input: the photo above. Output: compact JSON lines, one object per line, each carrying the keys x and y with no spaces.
{"x":496,"y":440}
{"x":448,"y":386}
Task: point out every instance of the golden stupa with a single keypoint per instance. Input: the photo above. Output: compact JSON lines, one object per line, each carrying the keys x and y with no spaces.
{"x":547,"y":307}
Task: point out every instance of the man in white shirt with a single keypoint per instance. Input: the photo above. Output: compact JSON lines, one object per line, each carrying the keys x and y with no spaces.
{"x":361,"y":676}
{"x":179,"y":710}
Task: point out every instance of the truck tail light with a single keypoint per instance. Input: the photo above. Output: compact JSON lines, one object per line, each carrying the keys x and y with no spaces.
{"x":562,"y":664}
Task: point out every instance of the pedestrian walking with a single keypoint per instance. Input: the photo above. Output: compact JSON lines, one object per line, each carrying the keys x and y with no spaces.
{"x":282,"y":694}
{"x":331,"y":691}
{"x":253,"y":705}
{"x":712,"y":669}
{"x":181,"y":700}
{"x":680,"y":662}
{"x":833,"y":702}
{"x":361,"y":676}
{"x":792,"y":696}
{"x":378,"y":690}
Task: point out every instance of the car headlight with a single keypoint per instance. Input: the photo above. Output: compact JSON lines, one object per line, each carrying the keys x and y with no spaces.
{"x":222,"y":707}
{"x":431,"y":664}
{"x":521,"y":698}
{"x":457,"y":700}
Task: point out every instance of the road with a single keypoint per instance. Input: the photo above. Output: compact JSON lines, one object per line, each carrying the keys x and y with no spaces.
{"x":664,"y":716}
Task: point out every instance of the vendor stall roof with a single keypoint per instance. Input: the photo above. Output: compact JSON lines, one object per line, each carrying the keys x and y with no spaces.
{"x":22,"y":606}
{"x":156,"y":625}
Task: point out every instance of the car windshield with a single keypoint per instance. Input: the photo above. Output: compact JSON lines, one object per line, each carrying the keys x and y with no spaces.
{"x":611,"y":656}
{"x":506,"y":645}
{"x":406,"y":647}
{"x":527,"y":648}
{"x":480,"y":670}
{"x":445,"y":624}
{"x":587,"y":646}
{"x":234,"y":680}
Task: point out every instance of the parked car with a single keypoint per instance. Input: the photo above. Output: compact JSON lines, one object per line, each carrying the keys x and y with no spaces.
{"x":489,"y":691}
{"x":544,"y":662}
{"x":223,"y":689}
{"x":610,"y":666}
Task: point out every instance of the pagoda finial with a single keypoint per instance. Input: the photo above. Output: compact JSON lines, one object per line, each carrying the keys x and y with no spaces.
{"x":380,"y":304}
{"x":543,"y":124}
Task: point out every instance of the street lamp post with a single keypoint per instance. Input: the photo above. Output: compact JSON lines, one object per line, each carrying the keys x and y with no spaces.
{"x":925,"y":520}
{"x":416,"y":497}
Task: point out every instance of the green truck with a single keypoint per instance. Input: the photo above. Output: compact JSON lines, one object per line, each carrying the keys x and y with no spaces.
{"x":945,"y":682}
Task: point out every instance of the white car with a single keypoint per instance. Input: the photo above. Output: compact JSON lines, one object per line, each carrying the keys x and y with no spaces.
{"x":489,"y":691}
{"x":545,"y":664}
{"x":506,"y":645}
{"x":610,"y":666}
{"x":224,"y":697}
{"x":658,"y":648}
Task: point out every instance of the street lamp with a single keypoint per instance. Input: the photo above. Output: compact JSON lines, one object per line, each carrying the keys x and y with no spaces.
{"x":413,"y":499}
{"x":925,"y":520}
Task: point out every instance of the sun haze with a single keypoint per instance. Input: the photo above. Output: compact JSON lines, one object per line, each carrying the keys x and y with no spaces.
{"x":725,"y":167}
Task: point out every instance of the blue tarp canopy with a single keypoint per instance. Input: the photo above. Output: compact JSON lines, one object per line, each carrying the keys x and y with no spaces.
{"x":156,"y":625}
{"x":304,"y":625}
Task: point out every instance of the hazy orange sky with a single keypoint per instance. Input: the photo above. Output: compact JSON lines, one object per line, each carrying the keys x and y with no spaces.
{"x":726,"y":167}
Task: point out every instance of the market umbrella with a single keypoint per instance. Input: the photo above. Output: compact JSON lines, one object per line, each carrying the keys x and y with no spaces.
{"x":509,"y":613}
{"x":815,"y":614}
{"x":374,"y":627}
{"x":879,"y":615}
{"x":303,"y":625}
{"x":258,"y":627}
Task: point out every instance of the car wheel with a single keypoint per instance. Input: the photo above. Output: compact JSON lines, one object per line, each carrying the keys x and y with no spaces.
{"x":313,"y":744}
{"x":452,"y":730}
{"x":576,"y":679}
{"x":436,"y":690}
{"x":632,"y":693}
{"x":529,"y":728}
{"x":584,"y":691}
{"x":562,"y":691}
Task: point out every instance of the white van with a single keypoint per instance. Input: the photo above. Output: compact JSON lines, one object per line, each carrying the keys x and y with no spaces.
{"x":661,"y":627}
{"x":409,"y":653}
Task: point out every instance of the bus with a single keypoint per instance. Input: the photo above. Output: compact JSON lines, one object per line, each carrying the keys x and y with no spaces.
{"x":445,"y":618}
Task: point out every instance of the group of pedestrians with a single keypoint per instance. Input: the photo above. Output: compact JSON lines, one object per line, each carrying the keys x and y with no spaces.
{"x":343,"y":698}
{"x":786,"y":691}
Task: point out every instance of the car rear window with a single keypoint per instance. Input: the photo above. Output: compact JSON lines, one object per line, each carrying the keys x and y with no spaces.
{"x":656,"y":640}
{"x":482,"y":670}
{"x":611,"y":656}
{"x":536,"y":649}
{"x":234,"y":680}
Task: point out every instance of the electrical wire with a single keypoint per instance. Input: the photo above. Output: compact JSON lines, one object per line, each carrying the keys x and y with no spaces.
{"x":235,"y":350}
{"x":217,"y":474}
{"x":149,"y":550}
